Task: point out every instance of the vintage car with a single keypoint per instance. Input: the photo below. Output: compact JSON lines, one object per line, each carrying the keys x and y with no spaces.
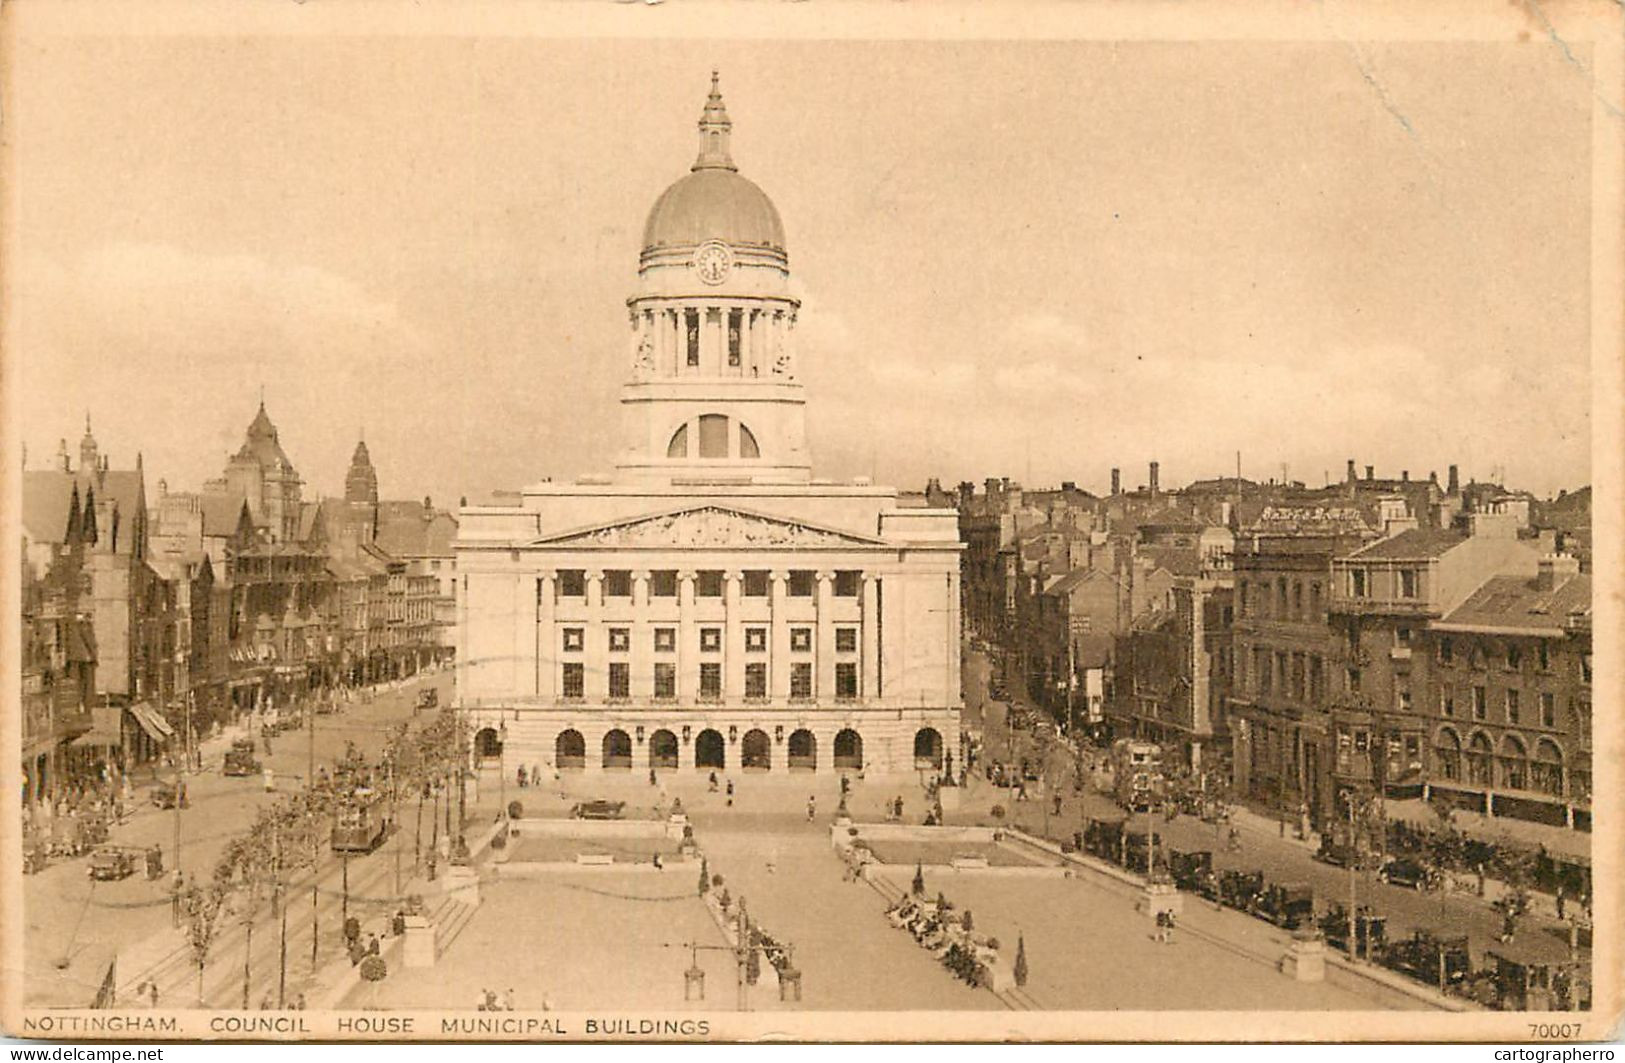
{"x":599,"y":810}
{"x":1436,"y":961}
{"x":164,"y":795}
{"x":1288,"y":905}
{"x":1403,"y":871}
{"x":109,"y":863}
{"x":1336,"y":853}
{"x":240,"y":759}
{"x":1238,"y":888}
{"x":428,"y":699}
{"x":1370,"y":929}
{"x":1193,"y":871}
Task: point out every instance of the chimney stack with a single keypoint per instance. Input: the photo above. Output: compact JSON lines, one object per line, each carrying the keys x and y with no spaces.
{"x":1117,"y":482}
{"x":1154,"y":468}
{"x":1554,"y":570}
{"x":1453,"y":487}
{"x":1352,"y":476}
{"x":1405,"y":476}
{"x":1068,"y":486}
{"x":1370,"y":472}
{"x":1433,"y":477}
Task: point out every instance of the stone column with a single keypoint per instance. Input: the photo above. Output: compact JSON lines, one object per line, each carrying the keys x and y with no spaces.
{"x":824,"y":646}
{"x":547,"y":640}
{"x":640,"y":660}
{"x":778,"y":665}
{"x":869,"y":639}
{"x":718,"y":365}
{"x":525,"y":650}
{"x":688,"y":686}
{"x":594,"y":649}
{"x":733,"y":640}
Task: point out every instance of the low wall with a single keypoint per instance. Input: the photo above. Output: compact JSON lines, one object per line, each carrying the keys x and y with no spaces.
{"x":542,"y":868}
{"x":592,"y":828}
{"x":907,"y":832}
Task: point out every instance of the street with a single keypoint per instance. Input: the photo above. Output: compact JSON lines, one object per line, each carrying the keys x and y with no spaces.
{"x":70,"y":917}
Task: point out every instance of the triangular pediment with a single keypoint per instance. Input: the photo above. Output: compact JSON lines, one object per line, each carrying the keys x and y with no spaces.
{"x":708,"y":527}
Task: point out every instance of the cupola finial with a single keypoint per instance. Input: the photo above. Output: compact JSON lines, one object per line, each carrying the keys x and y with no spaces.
{"x":714,"y":130}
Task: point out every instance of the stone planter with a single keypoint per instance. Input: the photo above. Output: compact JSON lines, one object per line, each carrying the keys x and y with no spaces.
{"x":1159,"y":897}
{"x":1305,"y":960}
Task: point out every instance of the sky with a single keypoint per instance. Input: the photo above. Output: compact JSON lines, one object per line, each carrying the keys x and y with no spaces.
{"x":1031,"y":259}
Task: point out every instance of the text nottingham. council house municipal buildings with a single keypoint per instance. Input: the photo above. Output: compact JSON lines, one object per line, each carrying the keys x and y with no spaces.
{"x":710,"y":605}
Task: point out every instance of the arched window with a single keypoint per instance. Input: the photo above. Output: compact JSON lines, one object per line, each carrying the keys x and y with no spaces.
{"x":1479,"y":756}
{"x":713,"y":435}
{"x":1514,"y":764}
{"x":1546,"y":770}
{"x":678,"y":447}
{"x":1447,"y":754}
{"x":747,"y":444}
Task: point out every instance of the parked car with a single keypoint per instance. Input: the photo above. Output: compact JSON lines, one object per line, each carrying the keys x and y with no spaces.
{"x":599,"y":810}
{"x":240,"y":759}
{"x":428,"y":699}
{"x":1289,"y":905}
{"x":1403,"y":871}
{"x":165,"y":794}
{"x":109,"y":863}
{"x":1335,"y":853}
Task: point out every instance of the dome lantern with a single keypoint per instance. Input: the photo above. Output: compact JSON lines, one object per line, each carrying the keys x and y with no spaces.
{"x":714,"y":130}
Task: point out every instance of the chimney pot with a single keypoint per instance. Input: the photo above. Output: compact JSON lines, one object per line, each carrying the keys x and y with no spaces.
{"x":1405,"y":476}
{"x":1154,"y":469}
{"x":1117,"y":481}
{"x":1370,"y":472}
{"x":1352,"y":474}
{"x":1454,"y":484}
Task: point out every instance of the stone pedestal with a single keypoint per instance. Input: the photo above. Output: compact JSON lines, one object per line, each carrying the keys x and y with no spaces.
{"x":462,"y":884}
{"x":790,"y":984}
{"x":418,"y":947}
{"x":1159,"y":897}
{"x":1305,"y":960}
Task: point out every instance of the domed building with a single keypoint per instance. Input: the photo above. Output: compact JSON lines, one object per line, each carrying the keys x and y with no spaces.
{"x":709,"y":605}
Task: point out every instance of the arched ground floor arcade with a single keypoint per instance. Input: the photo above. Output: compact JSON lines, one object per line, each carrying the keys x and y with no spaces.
{"x":766,"y":743}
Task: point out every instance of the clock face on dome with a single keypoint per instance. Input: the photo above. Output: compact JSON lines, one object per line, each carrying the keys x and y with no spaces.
{"x":712,"y":261}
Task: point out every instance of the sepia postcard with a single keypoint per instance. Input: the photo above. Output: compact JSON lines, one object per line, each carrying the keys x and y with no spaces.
{"x":697,"y":521}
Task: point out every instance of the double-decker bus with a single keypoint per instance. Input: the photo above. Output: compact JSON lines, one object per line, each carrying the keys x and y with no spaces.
{"x":1137,"y":780}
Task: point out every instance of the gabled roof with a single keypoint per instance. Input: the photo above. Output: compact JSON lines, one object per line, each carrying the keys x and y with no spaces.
{"x":222,"y":514}
{"x":708,"y":527}
{"x":411,"y":529}
{"x":48,"y":496}
{"x":1068,"y":582}
{"x":1177,"y":560}
{"x":1416,"y":544}
{"x":1515,"y":603}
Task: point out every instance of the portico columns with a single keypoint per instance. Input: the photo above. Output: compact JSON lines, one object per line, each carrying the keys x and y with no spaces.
{"x":687,"y":651}
{"x":594,"y":683}
{"x":733,"y":640}
{"x":825,"y":656}
{"x":642,"y":648}
{"x":870,"y":638}
{"x":779,"y":664}
{"x":546,"y":674}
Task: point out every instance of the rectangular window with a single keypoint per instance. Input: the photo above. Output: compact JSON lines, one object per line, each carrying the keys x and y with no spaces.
{"x":1314,"y":600}
{"x":1512,"y":706}
{"x":1481,"y":703}
{"x":663,"y":583}
{"x":846,"y":640}
{"x":1514,"y":656}
{"x":801,"y":583}
{"x":620,"y":679}
{"x":756,"y":680}
{"x":710,"y":680}
{"x":801,"y":680}
{"x":1447,"y":702}
{"x":1548,"y":710}
{"x":733,"y":338}
{"x":691,"y":321}
{"x":708,"y":583}
{"x":1407,"y":583}
{"x":574,"y":638}
{"x":801,"y":639}
{"x":620,"y":639}
{"x":665,"y":680}
{"x":1404,"y":701}
{"x":710,"y":639}
{"x":1402,"y":636}
{"x":756,"y":640}
{"x":1354,"y":680}
{"x":1362,"y":741}
{"x":617,"y":583}
{"x":572,"y":583}
{"x":1357,"y":583}
{"x":1297,"y":600}
{"x":756,"y":583}
{"x":665,"y":639}
{"x":1543,"y":655}
{"x":1447,"y":651}
{"x":575,"y":683}
{"x":847,"y":584}
{"x":846,"y":680}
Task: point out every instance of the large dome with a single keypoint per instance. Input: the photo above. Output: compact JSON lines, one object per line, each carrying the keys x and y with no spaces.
{"x":713,"y":204}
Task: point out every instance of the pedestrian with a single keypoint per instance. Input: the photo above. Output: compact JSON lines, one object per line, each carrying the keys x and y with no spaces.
{"x":730,"y":793}
{"x":299,"y":1002}
{"x":656,"y":861}
{"x":713,"y":782}
{"x":1283,"y":828}
{"x":1161,"y":933}
{"x":652,"y":781}
{"x":175,"y":899}
{"x":812,"y":808}
{"x":522,"y":776}
{"x":507,"y":1000}
{"x":1169,"y":935}
{"x":1562,"y":901}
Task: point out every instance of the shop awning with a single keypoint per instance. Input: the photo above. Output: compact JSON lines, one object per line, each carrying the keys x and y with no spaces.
{"x":152,"y":721}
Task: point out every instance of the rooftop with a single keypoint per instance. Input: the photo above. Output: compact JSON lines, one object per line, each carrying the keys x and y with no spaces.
{"x":1516,"y":603}
{"x":1414,"y":544}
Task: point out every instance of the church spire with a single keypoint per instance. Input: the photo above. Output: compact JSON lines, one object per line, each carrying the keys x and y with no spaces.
{"x":714,"y":131}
